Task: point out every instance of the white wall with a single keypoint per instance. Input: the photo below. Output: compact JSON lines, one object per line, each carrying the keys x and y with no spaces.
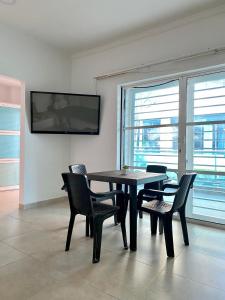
{"x":40,"y":67}
{"x":43,"y":68}
{"x":200,"y":33}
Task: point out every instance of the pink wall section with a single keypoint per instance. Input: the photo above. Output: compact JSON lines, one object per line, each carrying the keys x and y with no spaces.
{"x":10,"y":90}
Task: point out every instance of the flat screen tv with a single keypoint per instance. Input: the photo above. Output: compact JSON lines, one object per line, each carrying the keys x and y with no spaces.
{"x":64,"y":113}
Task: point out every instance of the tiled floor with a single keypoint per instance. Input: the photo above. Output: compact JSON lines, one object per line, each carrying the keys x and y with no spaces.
{"x":9,"y":201}
{"x":33,"y":264}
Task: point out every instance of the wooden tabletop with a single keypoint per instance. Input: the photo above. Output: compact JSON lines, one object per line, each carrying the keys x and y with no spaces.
{"x":133,"y":177}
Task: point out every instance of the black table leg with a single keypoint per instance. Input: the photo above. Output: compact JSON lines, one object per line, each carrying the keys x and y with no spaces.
{"x":133,"y":217}
{"x":118,"y":201}
{"x":126,"y":192}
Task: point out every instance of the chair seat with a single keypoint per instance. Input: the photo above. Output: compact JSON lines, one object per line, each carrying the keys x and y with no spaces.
{"x":104,"y":209}
{"x":101,"y":198}
{"x":149,"y":198}
{"x":157,"y":206}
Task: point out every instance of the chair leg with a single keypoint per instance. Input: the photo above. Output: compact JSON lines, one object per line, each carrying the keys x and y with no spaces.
{"x":70,"y":230}
{"x":140,"y":214}
{"x":97,"y":241}
{"x":115,"y":216}
{"x":154,"y":220}
{"x":160,"y":226}
{"x":168,"y":231}
{"x":115,"y":220}
{"x":184,"y":226}
{"x":126,"y":200}
{"x":124,"y":233}
{"x":91,"y":227}
{"x":123,"y":212}
{"x":87,"y":225}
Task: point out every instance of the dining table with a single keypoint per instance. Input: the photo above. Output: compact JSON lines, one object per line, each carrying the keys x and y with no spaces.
{"x":132,"y":179}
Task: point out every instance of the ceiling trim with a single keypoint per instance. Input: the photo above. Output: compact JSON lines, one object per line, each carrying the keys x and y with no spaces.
{"x":220,"y":9}
{"x":8,"y":2}
{"x":210,"y":52}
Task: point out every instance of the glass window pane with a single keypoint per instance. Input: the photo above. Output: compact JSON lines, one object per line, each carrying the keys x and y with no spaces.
{"x":155,"y":105}
{"x":152,"y":106}
{"x":209,"y":195}
{"x":9,"y":146}
{"x":151,"y":146}
{"x":206,"y":98}
{"x":206,"y":144}
{"x":9,"y":174}
{"x":9,"y":118}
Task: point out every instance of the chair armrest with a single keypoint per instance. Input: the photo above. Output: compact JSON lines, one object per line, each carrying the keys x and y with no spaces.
{"x":165,"y":181}
{"x":170,"y":186}
{"x":149,"y":192}
{"x":105,"y":194}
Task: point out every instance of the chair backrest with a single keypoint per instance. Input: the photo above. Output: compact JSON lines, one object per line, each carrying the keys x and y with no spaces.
{"x":78,"y":169}
{"x":78,"y":193}
{"x":155,"y":169}
{"x":185,"y":184}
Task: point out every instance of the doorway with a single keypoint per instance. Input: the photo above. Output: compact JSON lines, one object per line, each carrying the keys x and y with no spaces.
{"x":11,"y":91}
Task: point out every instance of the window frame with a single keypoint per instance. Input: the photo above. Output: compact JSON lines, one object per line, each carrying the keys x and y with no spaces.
{"x":183,"y":123}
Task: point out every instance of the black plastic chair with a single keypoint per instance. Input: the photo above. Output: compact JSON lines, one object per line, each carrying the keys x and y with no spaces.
{"x":81,"y":202}
{"x":153,"y":185}
{"x":159,"y":209}
{"x":81,"y":169}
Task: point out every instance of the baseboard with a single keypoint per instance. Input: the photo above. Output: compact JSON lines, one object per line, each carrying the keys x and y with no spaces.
{"x":43,"y":203}
{"x":202,"y":223}
{"x":206,"y":223}
{"x":9,"y":188}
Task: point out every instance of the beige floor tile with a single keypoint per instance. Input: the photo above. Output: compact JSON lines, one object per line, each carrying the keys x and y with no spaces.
{"x":36,"y":241}
{"x":167,"y":286}
{"x":199,"y":267}
{"x":22,"y":279}
{"x":9,"y":255}
{"x":76,"y":261}
{"x":11,"y":227}
{"x":119,"y":275}
{"x":44,"y":217}
{"x":72,"y":290}
{"x":35,"y":265}
{"x":209,"y":241}
{"x":9,"y":202}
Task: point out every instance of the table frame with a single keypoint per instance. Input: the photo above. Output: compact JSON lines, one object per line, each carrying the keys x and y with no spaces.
{"x":132,"y":179}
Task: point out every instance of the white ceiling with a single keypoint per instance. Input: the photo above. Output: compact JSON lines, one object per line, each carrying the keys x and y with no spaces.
{"x":77,"y":25}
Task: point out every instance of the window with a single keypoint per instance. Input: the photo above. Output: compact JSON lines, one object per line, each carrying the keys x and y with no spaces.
{"x":153,"y":134}
{"x":206,"y":155}
{"x":151,"y":125}
{"x":9,"y":145}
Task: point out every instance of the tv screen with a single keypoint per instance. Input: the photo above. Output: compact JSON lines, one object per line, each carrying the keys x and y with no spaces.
{"x":64,"y":113}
